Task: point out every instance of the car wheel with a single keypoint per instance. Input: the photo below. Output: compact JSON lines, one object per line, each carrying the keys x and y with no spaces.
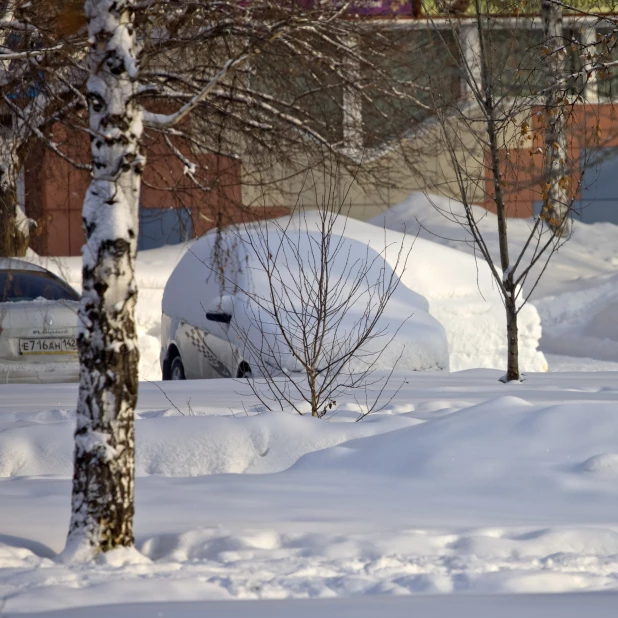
{"x":177,"y":369}
{"x":244,"y":371}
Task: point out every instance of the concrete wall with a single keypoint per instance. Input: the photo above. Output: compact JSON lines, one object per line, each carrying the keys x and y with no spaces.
{"x":377,"y":180}
{"x":423,"y":163}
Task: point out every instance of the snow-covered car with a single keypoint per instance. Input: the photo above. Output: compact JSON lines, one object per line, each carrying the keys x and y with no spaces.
{"x":216,"y":321}
{"x":38,"y":325}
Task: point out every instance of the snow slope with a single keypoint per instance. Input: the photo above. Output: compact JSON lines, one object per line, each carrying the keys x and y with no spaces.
{"x":577,"y":297}
{"x":462,"y":485}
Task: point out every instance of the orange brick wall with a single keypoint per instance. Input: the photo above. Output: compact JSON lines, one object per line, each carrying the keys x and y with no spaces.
{"x":55,"y":190}
{"x":589,"y":125}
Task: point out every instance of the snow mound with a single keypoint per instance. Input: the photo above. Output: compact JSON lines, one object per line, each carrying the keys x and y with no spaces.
{"x":189,"y":446}
{"x":581,"y":322}
{"x":360,"y":269}
{"x":459,"y":286}
{"x":576,"y":296}
{"x":604,"y":466}
{"x":505,"y":445}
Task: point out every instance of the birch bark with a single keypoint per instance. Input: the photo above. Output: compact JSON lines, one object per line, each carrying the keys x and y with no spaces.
{"x":555,"y":195}
{"x":12,"y":242}
{"x":103,"y":481}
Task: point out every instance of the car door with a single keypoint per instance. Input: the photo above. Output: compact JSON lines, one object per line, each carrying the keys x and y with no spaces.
{"x":189,"y":340}
{"x":218,"y":359}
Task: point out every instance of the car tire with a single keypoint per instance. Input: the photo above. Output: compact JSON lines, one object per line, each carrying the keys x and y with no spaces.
{"x":177,"y":369}
{"x":244,"y":371}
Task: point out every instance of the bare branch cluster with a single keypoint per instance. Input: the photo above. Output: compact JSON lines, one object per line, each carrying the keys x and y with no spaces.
{"x":315,"y":332}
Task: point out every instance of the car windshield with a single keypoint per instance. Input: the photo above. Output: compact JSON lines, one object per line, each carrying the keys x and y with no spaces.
{"x":20,"y":285}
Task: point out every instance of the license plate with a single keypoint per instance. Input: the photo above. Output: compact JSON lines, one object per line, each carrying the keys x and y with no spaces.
{"x":56,"y":345}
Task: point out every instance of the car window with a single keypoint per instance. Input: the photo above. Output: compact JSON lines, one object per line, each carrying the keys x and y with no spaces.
{"x":19,"y":285}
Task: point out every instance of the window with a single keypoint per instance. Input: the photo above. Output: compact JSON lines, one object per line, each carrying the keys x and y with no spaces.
{"x":304,"y":87}
{"x":573,"y":63}
{"x":515,"y":60}
{"x":20,"y":285}
{"x":607,"y":51}
{"x":163,"y":226}
{"x":408,"y":74}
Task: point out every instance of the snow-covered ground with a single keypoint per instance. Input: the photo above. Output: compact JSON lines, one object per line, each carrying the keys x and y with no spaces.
{"x":577,"y":297}
{"x":462,"y":485}
{"x":599,"y":605}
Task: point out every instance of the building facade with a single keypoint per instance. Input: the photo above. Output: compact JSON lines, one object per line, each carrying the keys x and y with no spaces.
{"x":427,"y":50}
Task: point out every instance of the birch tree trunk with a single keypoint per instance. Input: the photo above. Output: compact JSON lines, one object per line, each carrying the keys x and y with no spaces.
{"x":102,"y":500}
{"x":13,"y":241}
{"x":556,"y":204}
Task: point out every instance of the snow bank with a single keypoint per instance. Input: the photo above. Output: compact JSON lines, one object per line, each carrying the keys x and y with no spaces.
{"x":505,"y":447}
{"x":591,"y":251}
{"x":464,"y":485}
{"x":573,"y":303}
{"x":173,"y":445}
{"x":582,"y":321}
{"x":576,"y":297}
{"x":460,"y":291}
{"x":458,"y":284}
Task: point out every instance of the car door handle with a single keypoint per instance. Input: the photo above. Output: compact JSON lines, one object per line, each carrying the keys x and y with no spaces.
{"x":223,"y":318}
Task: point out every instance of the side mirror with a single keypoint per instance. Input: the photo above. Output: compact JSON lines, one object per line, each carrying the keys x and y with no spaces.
{"x":220,"y":310}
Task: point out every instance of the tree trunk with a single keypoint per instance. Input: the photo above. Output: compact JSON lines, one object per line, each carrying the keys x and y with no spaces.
{"x":512,"y":369}
{"x":556,"y":204}
{"x":102,"y":502}
{"x":13,"y":241}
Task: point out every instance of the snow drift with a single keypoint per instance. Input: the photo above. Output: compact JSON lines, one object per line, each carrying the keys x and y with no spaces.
{"x":459,"y":286}
{"x":463,"y":485}
{"x":169,"y":444}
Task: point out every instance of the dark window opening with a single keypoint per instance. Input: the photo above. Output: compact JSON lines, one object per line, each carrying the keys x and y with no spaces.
{"x":307,"y":87}
{"x":164,"y":226}
{"x":408,"y":75}
{"x":607,"y":51}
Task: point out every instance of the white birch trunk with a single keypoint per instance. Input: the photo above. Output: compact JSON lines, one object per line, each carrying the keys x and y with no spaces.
{"x":102,"y":501}
{"x":556,"y":203}
{"x":13,"y":239}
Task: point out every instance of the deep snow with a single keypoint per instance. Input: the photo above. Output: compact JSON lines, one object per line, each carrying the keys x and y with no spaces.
{"x":404,"y":335}
{"x":570,"y":318}
{"x":576,"y":298}
{"x":462,"y":485}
